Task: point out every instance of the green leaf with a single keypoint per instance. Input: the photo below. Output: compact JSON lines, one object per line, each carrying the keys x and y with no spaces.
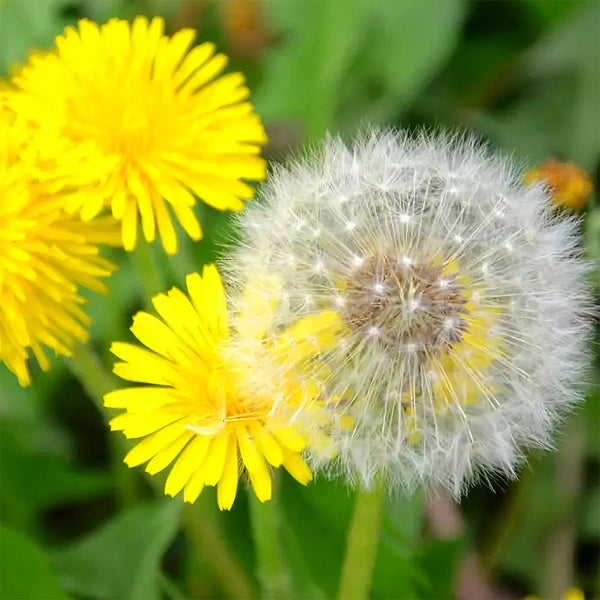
{"x":28,"y":24}
{"x":592,"y":246}
{"x":121,"y":559}
{"x":25,"y":568}
{"x":397,"y":574}
{"x":556,"y":113}
{"x":410,"y":41}
{"x":32,"y":482}
{"x":439,"y":561}
{"x":589,"y":520}
{"x":316,"y":517}
{"x":573,"y":48}
{"x":110,"y":313}
{"x":304,"y":71}
{"x":549,"y":12}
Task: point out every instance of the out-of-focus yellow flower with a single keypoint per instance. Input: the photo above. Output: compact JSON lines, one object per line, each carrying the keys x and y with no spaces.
{"x":45,"y":255}
{"x":570,"y":187}
{"x":571,"y":594}
{"x":154,"y":120}
{"x":211,"y":399}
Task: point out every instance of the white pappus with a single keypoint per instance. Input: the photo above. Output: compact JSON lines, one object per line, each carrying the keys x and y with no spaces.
{"x":462,"y":294}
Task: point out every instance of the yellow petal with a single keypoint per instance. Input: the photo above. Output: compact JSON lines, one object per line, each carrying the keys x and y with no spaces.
{"x":157,"y":336}
{"x":193,"y":487}
{"x":165,"y":457}
{"x":296,"y":467}
{"x":268,"y":444}
{"x":187,"y":464}
{"x":141,"y":424}
{"x":212,"y":469}
{"x":258,"y":470}
{"x":165,"y":226}
{"x":153,"y":444}
{"x":129,"y":225}
{"x":290,"y":438}
{"x":188,"y":221}
{"x":208,"y":298}
{"x":227,"y":486}
{"x":179,"y":314}
{"x":139,"y":189}
{"x":139,"y":399}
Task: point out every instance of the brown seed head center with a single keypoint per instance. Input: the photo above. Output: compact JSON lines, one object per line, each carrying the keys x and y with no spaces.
{"x":406,"y":304}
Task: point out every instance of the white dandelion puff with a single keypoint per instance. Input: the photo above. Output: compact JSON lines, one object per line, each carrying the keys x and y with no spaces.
{"x":463,"y":301}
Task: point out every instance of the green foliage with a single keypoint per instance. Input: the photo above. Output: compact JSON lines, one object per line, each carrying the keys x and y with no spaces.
{"x":525,"y":74}
{"x":122,"y":558}
{"x":28,"y":26}
{"x":325,"y":78}
{"x":556,"y":112}
{"x":25,"y":568}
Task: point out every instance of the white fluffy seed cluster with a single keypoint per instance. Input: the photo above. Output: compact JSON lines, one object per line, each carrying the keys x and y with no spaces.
{"x":463,"y":299}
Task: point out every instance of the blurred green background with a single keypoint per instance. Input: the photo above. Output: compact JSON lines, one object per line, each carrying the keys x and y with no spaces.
{"x":76,"y":523}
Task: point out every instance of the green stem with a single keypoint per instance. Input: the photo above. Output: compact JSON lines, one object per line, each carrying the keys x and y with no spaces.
{"x":561,"y":541}
{"x":95,"y":379}
{"x":362,"y":544}
{"x":149,"y":271}
{"x":265,"y":520}
{"x":503,"y":526}
{"x":209,"y":540}
{"x":169,"y":588}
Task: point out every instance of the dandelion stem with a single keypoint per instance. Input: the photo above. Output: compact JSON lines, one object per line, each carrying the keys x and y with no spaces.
{"x":559,"y":551}
{"x":149,"y":271}
{"x":94,"y":378}
{"x":362,"y":544}
{"x":169,"y":588}
{"x":273,"y":574}
{"x":86,"y":366}
{"x":204,"y":533}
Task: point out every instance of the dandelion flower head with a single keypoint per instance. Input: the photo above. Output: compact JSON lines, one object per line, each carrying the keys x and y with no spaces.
{"x":46,"y":256}
{"x":202,"y":406}
{"x":463,"y":299}
{"x":157,"y":124}
{"x":569,"y":186}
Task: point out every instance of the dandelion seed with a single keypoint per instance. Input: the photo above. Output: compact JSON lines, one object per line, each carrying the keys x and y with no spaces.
{"x":153,"y":116}
{"x":46,"y":256}
{"x":465,"y":334}
{"x":204,"y":407}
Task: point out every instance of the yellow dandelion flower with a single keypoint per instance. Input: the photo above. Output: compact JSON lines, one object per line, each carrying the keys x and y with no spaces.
{"x":571,"y":594}
{"x":205,"y":405}
{"x":155,"y":119}
{"x":45,"y":255}
{"x":570,"y":187}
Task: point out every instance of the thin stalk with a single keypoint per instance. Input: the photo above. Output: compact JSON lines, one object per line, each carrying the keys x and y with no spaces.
{"x":169,"y":588}
{"x":560,"y":545}
{"x":94,"y":378}
{"x":97,"y":381}
{"x":207,"y":538}
{"x":503,"y":527}
{"x":149,"y":271}
{"x":362,"y":544}
{"x":272,"y":571}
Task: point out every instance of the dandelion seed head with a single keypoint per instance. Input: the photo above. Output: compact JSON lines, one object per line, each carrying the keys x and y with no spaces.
{"x":465,"y":303}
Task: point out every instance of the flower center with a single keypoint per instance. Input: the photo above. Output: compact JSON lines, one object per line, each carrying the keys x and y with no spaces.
{"x":415,"y":306}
